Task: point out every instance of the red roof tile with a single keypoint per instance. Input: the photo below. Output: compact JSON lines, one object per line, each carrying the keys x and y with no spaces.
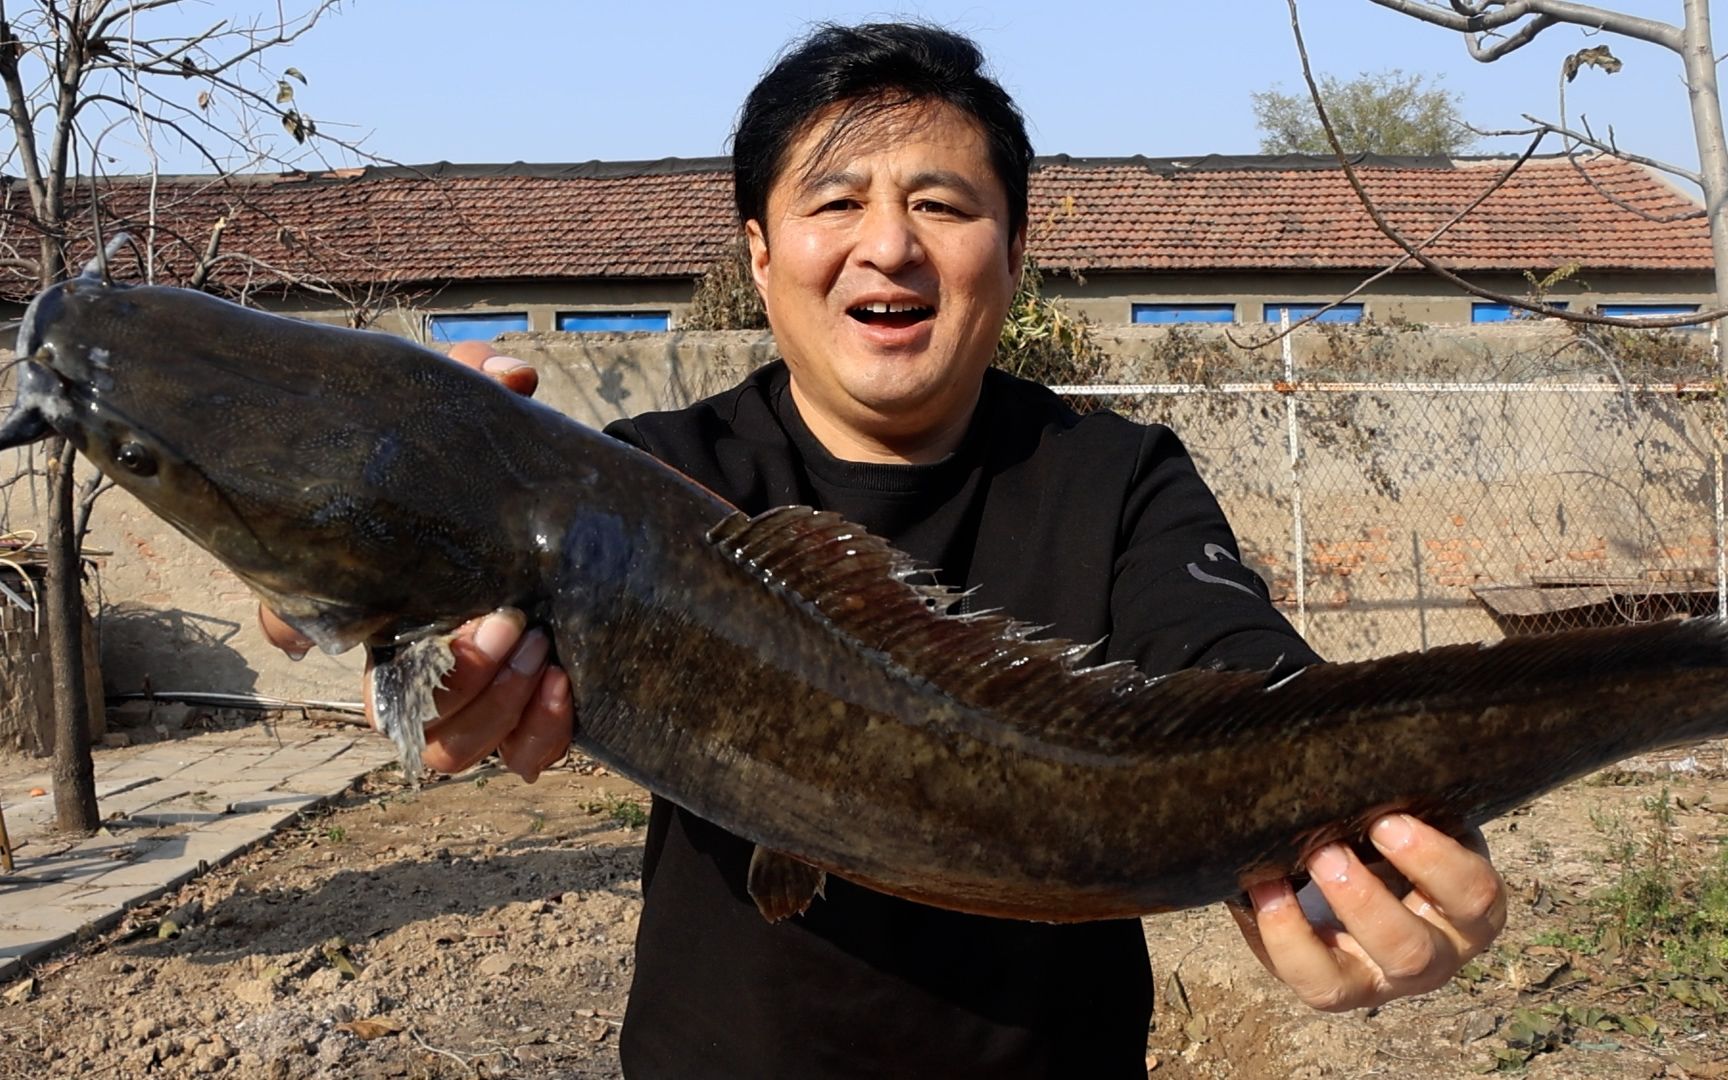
{"x":674,"y":218}
{"x":1122,"y":216}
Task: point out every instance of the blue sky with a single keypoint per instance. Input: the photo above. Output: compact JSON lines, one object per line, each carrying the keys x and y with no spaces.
{"x":537,"y":80}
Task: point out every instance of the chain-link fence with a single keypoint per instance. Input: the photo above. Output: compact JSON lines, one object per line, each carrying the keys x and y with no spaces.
{"x":1390,"y":514}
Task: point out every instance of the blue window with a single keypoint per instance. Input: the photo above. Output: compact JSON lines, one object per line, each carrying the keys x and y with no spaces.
{"x":475,"y":327}
{"x":1343,"y":313}
{"x":1171,"y":314}
{"x":596,"y":321}
{"x":1632,"y":311}
{"x":1486,"y":313}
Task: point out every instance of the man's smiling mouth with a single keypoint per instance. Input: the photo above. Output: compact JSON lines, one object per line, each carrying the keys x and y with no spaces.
{"x":882,"y":313}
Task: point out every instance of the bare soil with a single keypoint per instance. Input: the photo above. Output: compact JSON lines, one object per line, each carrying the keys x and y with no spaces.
{"x":483,"y":927}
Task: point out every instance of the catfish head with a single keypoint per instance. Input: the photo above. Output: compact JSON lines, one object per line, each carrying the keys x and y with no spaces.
{"x":364,"y":486}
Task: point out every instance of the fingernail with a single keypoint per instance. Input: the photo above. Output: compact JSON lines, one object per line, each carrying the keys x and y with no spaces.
{"x":1269,"y":896}
{"x":296,"y":653}
{"x":501,"y":365}
{"x":498,"y":633}
{"x":1392,"y":833}
{"x":531,"y":653}
{"x":1330,"y":864}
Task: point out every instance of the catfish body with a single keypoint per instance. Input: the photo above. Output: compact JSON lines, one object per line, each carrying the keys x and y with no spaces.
{"x":783,"y":676}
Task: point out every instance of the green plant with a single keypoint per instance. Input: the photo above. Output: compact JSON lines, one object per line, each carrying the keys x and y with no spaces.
{"x":726,"y":296}
{"x":1045,"y":342}
{"x":1663,"y":899}
{"x":1637,"y":355}
{"x":1541,"y":286}
{"x":622,"y":811}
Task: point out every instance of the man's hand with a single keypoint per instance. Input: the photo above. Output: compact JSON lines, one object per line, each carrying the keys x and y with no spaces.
{"x":1384,"y":947}
{"x":502,"y":694}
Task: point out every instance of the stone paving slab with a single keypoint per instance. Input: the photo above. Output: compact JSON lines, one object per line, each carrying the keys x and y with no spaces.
{"x":171,"y":811}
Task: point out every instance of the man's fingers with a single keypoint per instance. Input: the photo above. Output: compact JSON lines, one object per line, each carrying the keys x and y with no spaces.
{"x":480,"y":648}
{"x":543,"y":736}
{"x":469,"y":733}
{"x":1289,"y":946}
{"x":513,"y":373}
{"x":1408,"y":953}
{"x":1456,"y":888}
{"x":281,"y":635}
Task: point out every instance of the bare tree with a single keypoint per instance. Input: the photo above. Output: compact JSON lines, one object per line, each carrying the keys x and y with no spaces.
{"x":1495,"y":28}
{"x":77,"y":72}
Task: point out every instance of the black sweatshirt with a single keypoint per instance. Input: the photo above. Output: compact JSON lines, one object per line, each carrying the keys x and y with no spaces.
{"x":1096,"y":527}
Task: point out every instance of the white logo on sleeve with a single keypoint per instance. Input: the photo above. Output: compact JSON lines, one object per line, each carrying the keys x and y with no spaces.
{"x":1213,"y":553}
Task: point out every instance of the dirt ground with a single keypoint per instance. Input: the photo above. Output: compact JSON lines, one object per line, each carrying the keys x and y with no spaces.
{"x":483,"y":927}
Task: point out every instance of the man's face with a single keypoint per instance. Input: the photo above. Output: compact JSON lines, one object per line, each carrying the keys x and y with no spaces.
{"x":887,"y":269}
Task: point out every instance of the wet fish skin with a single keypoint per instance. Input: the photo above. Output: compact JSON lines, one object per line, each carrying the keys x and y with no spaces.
{"x":293,"y":472}
{"x":780,"y":676}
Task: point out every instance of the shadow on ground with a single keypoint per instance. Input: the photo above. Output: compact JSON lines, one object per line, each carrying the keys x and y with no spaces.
{"x":362,"y":904}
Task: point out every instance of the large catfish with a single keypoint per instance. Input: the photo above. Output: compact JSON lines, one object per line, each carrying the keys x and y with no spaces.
{"x":785,"y":676}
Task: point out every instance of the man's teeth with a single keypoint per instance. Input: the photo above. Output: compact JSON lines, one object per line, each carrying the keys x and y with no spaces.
{"x":882,"y":307}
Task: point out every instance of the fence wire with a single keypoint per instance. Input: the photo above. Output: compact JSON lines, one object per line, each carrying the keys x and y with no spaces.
{"x":1396,"y":515}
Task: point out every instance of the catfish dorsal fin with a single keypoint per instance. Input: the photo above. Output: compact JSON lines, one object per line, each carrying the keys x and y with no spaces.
{"x":867,"y":590}
{"x":1033,"y":690}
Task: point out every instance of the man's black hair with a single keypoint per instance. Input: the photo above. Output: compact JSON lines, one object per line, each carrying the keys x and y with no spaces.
{"x":867,"y":70}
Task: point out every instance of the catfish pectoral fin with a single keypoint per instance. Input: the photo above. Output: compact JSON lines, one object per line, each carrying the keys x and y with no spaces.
{"x":403,"y":680}
{"x":781,"y":885}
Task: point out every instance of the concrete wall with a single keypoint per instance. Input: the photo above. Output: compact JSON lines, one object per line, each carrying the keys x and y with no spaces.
{"x":1106,"y":299}
{"x":405,"y":312}
{"x":1410,"y":499}
{"x":1109,"y":298}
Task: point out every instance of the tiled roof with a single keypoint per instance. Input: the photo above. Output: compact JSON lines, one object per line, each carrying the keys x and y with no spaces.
{"x":674,"y":218}
{"x":1552,"y":212}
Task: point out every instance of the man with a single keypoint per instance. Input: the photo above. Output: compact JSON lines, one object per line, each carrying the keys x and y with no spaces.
{"x":881,"y":182}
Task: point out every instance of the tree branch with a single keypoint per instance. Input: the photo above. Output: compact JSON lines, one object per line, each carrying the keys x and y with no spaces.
{"x":1479,"y":19}
{"x":1609,"y":148}
{"x":201,"y":272}
{"x":1524,"y":35}
{"x":1407,"y":258}
{"x":1430,"y":264}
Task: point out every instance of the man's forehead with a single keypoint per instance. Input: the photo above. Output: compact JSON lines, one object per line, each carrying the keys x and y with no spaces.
{"x":842,"y":133}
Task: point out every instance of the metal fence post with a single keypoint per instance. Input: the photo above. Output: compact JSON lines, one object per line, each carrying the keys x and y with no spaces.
{"x":1298,"y":541}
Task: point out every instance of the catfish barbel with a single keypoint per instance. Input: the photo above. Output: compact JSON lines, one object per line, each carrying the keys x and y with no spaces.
{"x":785,"y":676}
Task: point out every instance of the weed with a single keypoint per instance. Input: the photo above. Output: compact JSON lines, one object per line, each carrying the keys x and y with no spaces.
{"x":336,"y":834}
{"x":1664,"y":898}
{"x":725,"y":297}
{"x":622,"y":811}
{"x":1570,"y":940}
{"x":1045,"y":342}
{"x":1535,"y":1031}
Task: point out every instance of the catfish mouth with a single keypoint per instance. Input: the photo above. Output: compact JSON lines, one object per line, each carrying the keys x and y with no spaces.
{"x":40,"y":397}
{"x":41,"y":392}
{"x":891,"y":314}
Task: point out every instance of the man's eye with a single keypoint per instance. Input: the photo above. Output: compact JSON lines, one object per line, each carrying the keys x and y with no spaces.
{"x":934,"y":206}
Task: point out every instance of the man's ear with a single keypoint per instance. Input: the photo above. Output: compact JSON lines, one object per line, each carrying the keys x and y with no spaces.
{"x":1017,"y":252}
{"x":757,"y":237}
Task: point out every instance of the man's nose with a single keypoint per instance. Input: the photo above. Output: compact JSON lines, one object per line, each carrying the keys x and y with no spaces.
{"x":888,"y":239}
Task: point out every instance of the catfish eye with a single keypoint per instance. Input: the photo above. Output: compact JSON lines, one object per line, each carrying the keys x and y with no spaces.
{"x":135,"y":459}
